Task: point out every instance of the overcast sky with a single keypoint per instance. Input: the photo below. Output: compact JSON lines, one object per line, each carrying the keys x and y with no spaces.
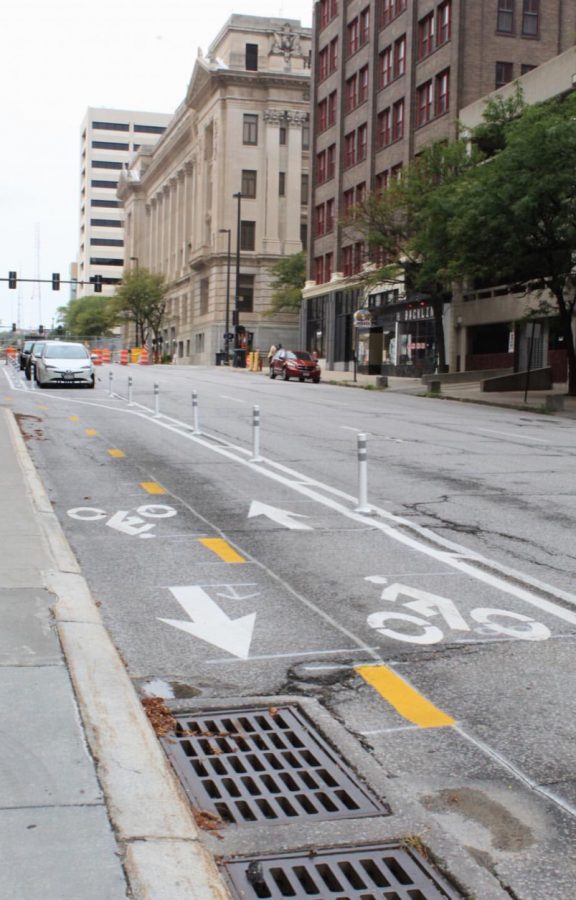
{"x":58,"y":57}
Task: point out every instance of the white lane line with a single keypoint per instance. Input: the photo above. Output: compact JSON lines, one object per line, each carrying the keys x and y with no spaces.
{"x":390,"y":730}
{"x":373,"y":651}
{"x":518,"y":437}
{"x":234,"y":399}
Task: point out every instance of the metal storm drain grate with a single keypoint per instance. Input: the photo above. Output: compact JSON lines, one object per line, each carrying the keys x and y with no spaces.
{"x":258,"y":765}
{"x":371,"y":873}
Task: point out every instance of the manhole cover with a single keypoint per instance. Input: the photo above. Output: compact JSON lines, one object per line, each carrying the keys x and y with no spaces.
{"x":369,"y":873}
{"x":255,"y":765}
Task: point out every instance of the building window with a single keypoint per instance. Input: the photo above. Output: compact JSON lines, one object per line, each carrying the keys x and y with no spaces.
{"x":384,"y":123}
{"x":323,"y":115}
{"x":248,"y":183}
{"x":110,"y":126}
{"x":109,"y":204}
{"x":398,"y":121}
{"x":109,"y":145}
{"x":360,"y":193}
{"x":250,"y":129}
{"x":381,"y":182}
{"x":328,"y":266}
{"x":199,"y":343}
{"x":333,"y":55}
{"x":323,"y":64}
{"x":329,"y":215}
{"x":106,"y":164}
{"x":319,"y":270}
{"x":353,"y":36}
{"x":282,"y":135}
{"x":504,"y":73}
{"x":106,"y":223}
{"x":103,"y":184}
{"x":150,"y":129}
{"x":505,"y":16}
{"x":426,"y":36}
{"x":320,"y":220}
{"x":424,"y":103}
{"x":530,"y":18}
{"x":364,"y":26}
{"x":444,"y":23}
{"x":396,"y":172}
{"x":305,"y":137}
{"x":442,"y":99}
{"x":351,"y":92}
{"x":247,"y":235}
{"x":246,"y":293}
{"x":105,"y":261}
{"x":525,"y":68}
{"x":304,"y":182}
{"x":252,"y":57}
{"x":321,"y":167}
{"x":281,"y":184}
{"x":363,"y":84}
{"x":348,"y":203}
{"x":385,"y":67}
{"x":361,"y":143}
{"x":331,"y":161}
{"x":332,"y":108}
{"x":204,"y":290}
{"x":328,"y":9}
{"x":400,"y":56}
{"x":350,"y":150}
{"x":105,"y":242}
{"x":347,"y":260}
{"x":389,"y":9}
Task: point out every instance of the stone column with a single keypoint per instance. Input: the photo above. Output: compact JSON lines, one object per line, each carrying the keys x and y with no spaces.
{"x":293,"y":243}
{"x":271,"y":242}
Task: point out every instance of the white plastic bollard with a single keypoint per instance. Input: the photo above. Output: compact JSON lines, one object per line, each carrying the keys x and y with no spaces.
{"x":256,"y":435}
{"x":156,"y":399}
{"x":130,"y":391}
{"x":363,"y":476}
{"x":195,"y":425}
{"x":110,"y":378}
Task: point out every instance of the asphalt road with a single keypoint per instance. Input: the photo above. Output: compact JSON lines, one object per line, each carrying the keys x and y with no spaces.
{"x":435,"y":625}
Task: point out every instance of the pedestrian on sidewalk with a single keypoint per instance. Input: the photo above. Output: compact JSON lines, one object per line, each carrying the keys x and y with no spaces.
{"x":273,"y":349}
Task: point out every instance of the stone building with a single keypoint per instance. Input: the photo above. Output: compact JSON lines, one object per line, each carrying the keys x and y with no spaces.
{"x":390,"y":77}
{"x":243,"y":129}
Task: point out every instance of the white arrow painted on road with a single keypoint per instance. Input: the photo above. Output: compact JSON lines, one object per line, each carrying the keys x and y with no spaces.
{"x":210,"y":623}
{"x":280,"y":516}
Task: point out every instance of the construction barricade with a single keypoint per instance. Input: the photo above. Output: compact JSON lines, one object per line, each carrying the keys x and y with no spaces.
{"x":123,"y":357}
{"x":144,"y":359}
{"x":96,"y":356}
{"x":106,"y":356}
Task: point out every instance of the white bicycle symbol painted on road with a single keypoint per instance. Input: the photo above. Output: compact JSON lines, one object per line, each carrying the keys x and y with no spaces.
{"x":126,"y":521}
{"x":417,"y":629}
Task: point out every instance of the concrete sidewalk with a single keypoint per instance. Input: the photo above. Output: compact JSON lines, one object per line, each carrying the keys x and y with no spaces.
{"x":89,"y":807}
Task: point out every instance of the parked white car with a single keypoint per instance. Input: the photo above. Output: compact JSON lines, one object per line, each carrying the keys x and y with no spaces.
{"x":64,"y":363}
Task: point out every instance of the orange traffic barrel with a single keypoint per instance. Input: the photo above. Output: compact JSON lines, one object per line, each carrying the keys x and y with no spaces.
{"x":123,"y":357}
{"x":96,"y":355}
{"x":143,"y":357}
{"x":106,"y":356}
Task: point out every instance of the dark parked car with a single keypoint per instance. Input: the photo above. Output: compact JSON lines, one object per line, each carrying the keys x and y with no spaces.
{"x":24,"y":354}
{"x":299,"y":364}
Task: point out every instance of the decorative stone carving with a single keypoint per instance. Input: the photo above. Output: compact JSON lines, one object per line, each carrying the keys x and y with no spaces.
{"x":286,"y":117}
{"x":286,"y":43}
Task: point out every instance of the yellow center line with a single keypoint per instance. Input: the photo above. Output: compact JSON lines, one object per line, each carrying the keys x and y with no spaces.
{"x":116,"y":453}
{"x":91,"y":432}
{"x":43,"y":407}
{"x":405,"y":699}
{"x":222,"y":549}
{"x":152,"y":487}
{"x":74,"y":418}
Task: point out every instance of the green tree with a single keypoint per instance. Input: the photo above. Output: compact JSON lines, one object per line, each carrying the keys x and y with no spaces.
{"x":140,"y":300}
{"x":407,"y":229}
{"x":87,"y":317}
{"x":288,"y":279}
{"x":515,"y":216}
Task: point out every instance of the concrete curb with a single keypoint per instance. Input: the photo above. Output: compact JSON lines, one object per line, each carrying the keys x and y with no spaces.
{"x":151,"y":816}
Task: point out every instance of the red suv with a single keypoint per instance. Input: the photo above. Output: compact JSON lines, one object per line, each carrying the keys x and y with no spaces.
{"x":295,"y":364}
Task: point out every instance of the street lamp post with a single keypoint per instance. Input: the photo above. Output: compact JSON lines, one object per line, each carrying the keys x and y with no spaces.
{"x":238,"y":197}
{"x":136,"y":260}
{"x":227,"y":231}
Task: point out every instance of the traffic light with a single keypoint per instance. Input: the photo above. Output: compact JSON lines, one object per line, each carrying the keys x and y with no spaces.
{"x":13,"y":326}
{"x":55,"y":281}
{"x":40,"y":329}
{"x":98,"y":284}
{"x":12,"y":279}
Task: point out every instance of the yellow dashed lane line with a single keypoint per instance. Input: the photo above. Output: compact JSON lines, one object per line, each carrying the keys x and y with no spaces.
{"x":118,"y":454}
{"x":222,"y":549}
{"x":152,"y":487}
{"x":73,"y":418}
{"x":91,"y":432}
{"x":405,"y":699}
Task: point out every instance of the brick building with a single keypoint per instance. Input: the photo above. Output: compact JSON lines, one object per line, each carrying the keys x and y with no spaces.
{"x":389,"y":77}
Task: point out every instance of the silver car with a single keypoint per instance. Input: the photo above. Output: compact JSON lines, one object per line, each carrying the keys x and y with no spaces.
{"x":64,"y":363}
